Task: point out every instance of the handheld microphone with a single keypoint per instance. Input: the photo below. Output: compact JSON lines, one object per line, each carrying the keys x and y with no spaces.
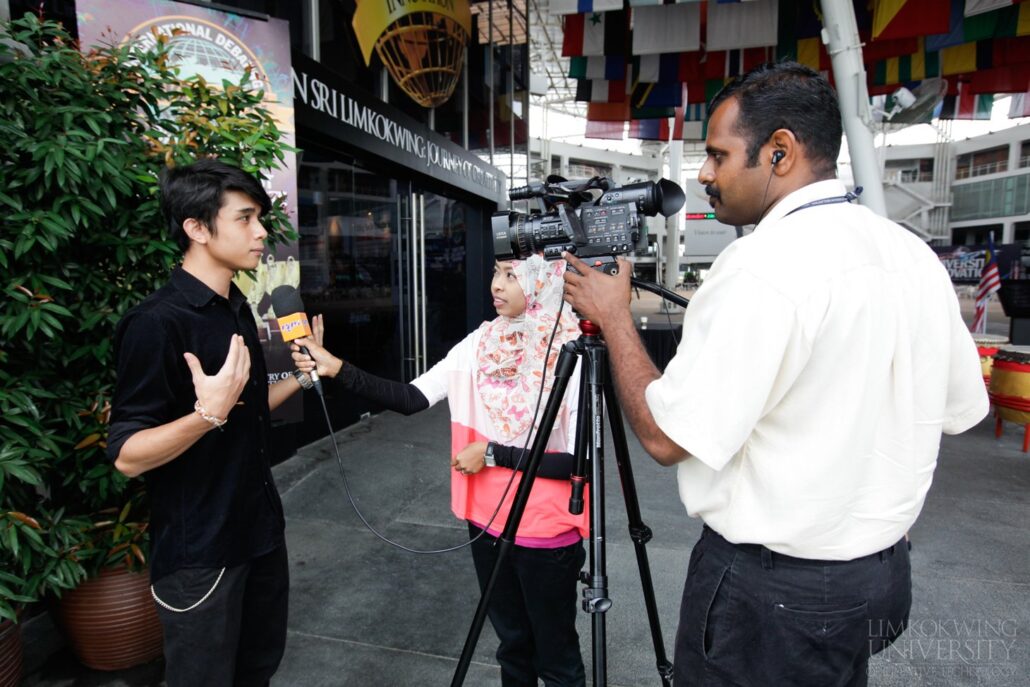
{"x":293,"y":322}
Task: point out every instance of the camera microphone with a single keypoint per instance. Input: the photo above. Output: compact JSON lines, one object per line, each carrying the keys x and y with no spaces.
{"x":293,"y":322}
{"x":533,"y":190}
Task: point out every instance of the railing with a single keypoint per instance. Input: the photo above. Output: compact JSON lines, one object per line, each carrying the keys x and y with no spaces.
{"x":965,"y":172}
{"x":1024,"y":161}
{"x":906,"y":176}
{"x":911,"y":176}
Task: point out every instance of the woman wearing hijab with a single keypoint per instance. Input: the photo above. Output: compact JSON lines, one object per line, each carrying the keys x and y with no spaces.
{"x":492,"y":380}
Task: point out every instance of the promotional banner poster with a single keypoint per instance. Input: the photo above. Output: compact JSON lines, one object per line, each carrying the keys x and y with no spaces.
{"x":219,"y":45}
{"x":965,"y":264}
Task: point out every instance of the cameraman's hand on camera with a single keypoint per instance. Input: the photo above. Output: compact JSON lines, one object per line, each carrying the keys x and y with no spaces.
{"x":320,"y":359}
{"x":470,"y":459}
{"x":597,"y":296}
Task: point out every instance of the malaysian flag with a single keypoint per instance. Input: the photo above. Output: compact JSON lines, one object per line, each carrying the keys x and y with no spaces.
{"x":990,"y":281}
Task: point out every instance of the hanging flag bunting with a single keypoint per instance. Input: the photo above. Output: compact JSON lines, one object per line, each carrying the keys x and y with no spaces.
{"x":610,"y":67}
{"x":583,"y":6}
{"x":742,"y":61}
{"x":623,"y":112}
{"x":712,"y":88}
{"x":715,"y":65}
{"x":798,"y":21}
{"x":612,"y":131}
{"x":650,"y":129}
{"x":598,"y":33}
{"x":667,"y":28}
{"x":909,"y":18}
{"x":657,"y":95}
{"x":967,"y":57}
{"x":690,"y":122}
{"x":696,"y":92}
{"x":905,"y":69}
{"x":1006,"y":79}
{"x":742,"y":25}
{"x":1020,"y":105}
{"x":966,"y":105}
{"x":697,"y":112}
{"x":1003,"y":23}
{"x":956,"y":31}
{"x":691,"y":65}
{"x":600,"y":91}
{"x":874,"y":51}
{"x":812,"y":53}
{"x":974,"y":7}
{"x":664,"y":68}
{"x":647,"y":3}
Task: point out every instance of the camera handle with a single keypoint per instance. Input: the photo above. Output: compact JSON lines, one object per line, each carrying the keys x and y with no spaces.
{"x":596,"y":392}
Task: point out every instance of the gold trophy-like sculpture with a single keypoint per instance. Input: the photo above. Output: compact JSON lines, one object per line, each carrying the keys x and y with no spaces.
{"x":421,"y":42}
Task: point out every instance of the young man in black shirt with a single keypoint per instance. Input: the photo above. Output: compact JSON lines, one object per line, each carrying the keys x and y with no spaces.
{"x":191,"y":414}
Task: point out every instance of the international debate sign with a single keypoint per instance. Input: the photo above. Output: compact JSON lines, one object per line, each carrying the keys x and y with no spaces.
{"x":219,"y":46}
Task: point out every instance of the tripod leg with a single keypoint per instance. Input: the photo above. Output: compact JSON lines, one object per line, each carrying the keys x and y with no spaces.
{"x":578,"y":477}
{"x":595,"y":596}
{"x":639,"y":532}
{"x":562,"y":373}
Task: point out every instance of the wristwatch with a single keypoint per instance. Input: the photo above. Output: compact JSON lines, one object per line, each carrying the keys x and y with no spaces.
{"x":488,"y":456}
{"x":303,"y":379}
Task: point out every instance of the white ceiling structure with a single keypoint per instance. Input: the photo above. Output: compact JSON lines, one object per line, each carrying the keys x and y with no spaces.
{"x":551,"y":86}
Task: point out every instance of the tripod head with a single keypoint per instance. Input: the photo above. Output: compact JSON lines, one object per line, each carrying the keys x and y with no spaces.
{"x":588,"y":328}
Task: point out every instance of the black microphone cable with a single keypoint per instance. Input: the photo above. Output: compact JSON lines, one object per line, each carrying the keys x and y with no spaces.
{"x":507,"y":488}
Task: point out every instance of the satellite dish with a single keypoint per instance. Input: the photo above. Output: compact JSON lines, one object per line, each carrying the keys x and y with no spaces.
{"x":917,"y":106}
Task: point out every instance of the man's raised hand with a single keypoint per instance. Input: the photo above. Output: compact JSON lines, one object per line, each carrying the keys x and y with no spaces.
{"x":218,"y":393}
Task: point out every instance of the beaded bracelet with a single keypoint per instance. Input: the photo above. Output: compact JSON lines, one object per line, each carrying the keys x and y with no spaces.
{"x":217,"y":422}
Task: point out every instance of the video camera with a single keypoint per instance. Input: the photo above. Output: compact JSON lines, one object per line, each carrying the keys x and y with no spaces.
{"x":608,"y":226}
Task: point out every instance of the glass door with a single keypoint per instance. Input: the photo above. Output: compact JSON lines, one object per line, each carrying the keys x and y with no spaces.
{"x":349,"y":224}
{"x":432,"y":276}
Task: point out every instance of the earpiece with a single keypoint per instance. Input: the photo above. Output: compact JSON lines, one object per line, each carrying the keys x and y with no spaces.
{"x":777,"y":156}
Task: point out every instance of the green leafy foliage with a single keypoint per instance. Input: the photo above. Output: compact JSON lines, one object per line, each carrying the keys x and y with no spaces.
{"x":86,"y":135}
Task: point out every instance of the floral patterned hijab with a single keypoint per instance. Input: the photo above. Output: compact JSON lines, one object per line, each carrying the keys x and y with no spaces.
{"x":510,"y":358}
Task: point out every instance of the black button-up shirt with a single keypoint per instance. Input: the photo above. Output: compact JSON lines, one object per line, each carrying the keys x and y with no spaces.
{"x":215,"y":504}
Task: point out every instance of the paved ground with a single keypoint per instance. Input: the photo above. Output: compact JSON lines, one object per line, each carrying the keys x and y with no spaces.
{"x":364,"y":613}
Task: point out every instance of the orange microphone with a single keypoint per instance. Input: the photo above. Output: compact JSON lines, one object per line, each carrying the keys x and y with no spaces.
{"x":293,"y":322}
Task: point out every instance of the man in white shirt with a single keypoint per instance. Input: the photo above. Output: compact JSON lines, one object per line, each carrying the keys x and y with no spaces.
{"x":820,"y":363}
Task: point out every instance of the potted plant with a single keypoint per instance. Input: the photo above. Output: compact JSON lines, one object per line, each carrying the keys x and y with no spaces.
{"x":81,"y":240}
{"x":36,"y":545}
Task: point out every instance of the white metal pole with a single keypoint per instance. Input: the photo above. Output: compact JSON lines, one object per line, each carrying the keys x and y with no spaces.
{"x":672,"y":224}
{"x":840,"y":34}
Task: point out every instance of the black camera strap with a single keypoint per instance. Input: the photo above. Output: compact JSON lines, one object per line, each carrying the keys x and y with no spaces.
{"x":846,"y":198}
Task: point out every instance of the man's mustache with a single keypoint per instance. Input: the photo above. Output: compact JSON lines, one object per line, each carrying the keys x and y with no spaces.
{"x":713,"y":192}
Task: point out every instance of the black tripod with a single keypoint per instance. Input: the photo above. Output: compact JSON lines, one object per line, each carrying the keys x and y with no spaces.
{"x":596,"y":392}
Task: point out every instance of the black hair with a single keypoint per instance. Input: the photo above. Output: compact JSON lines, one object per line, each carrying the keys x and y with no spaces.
{"x":196,"y":192}
{"x":787,"y":95}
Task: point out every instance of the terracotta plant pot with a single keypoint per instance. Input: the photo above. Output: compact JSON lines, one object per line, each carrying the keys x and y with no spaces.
{"x":10,"y":654}
{"x":110,"y":620}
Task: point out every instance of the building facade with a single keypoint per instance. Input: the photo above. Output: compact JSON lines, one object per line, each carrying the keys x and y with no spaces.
{"x":392,"y":199}
{"x":977,"y":186}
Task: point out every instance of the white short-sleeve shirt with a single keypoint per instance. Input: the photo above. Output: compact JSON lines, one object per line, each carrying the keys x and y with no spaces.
{"x":820,"y":362}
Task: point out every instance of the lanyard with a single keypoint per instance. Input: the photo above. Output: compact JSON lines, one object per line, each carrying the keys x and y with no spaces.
{"x":846,"y":198}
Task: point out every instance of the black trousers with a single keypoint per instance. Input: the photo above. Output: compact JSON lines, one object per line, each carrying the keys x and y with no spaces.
{"x":533,"y":610}
{"x":234,"y":637}
{"x":753,"y":617}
